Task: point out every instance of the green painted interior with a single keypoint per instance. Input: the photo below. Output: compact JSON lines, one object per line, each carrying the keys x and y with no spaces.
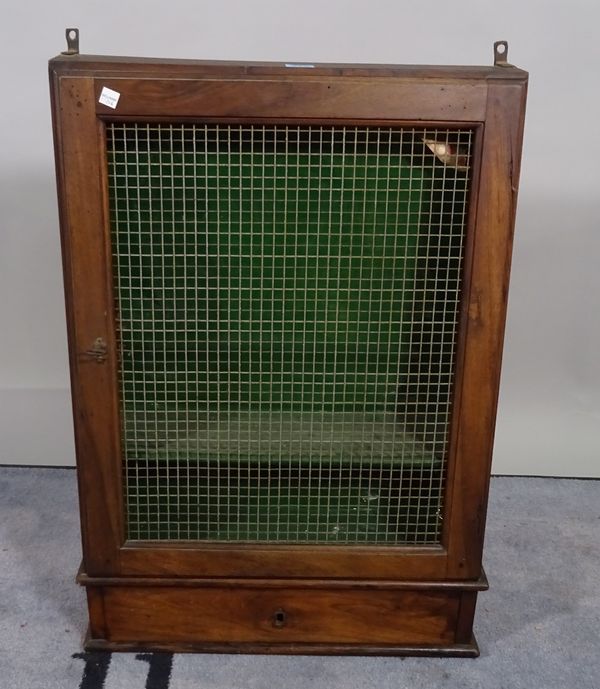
{"x":244,"y":502}
{"x":300,"y":275}
{"x":268,"y":274}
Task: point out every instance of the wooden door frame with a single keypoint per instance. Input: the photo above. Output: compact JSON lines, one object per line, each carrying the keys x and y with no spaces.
{"x":491,"y":102}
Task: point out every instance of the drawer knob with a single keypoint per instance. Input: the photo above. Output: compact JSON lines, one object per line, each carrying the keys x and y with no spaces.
{"x":279,"y":618}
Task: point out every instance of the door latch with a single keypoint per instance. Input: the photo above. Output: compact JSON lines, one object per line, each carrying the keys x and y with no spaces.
{"x":97,"y":352}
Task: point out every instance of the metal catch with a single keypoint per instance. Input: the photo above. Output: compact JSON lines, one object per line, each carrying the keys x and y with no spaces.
{"x":97,"y":352}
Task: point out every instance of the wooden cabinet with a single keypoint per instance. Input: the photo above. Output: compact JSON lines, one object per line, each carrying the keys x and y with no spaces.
{"x":286,"y":290}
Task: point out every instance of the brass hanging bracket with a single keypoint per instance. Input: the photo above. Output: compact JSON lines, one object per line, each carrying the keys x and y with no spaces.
{"x":501,"y":54}
{"x":72,"y":36}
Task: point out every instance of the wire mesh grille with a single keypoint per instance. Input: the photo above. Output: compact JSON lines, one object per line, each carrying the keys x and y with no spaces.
{"x":287,"y":302}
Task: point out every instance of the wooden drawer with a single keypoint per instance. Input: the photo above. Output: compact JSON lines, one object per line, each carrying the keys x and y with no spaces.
{"x":203,"y":616}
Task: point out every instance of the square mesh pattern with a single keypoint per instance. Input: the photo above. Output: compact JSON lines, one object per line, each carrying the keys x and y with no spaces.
{"x":287,"y":301}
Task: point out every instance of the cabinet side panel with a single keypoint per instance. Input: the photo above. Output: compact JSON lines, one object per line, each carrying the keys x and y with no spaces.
{"x":486,"y":304}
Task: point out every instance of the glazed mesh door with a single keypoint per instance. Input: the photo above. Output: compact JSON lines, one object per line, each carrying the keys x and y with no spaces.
{"x":287,"y":301}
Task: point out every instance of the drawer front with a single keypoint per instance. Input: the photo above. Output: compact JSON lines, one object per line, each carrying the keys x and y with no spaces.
{"x":187,"y":615}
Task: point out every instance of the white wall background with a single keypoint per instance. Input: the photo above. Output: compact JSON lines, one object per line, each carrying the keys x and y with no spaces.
{"x":549,"y":415}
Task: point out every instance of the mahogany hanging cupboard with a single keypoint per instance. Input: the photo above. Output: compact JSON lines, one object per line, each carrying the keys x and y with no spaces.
{"x":286,"y":289}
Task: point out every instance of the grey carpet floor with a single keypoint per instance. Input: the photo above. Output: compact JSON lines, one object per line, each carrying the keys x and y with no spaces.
{"x":538,"y":627}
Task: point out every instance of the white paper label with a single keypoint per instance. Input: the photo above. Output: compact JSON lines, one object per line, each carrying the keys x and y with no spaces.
{"x":109,"y":97}
{"x":301,"y":65}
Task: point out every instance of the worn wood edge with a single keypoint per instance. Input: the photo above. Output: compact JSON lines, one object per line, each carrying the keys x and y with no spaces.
{"x":135,"y":65}
{"x":480,"y":584}
{"x":97,"y":612}
{"x":505,"y":116}
{"x":461,"y":334}
{"x":290,"y":95}
{"x":293,"y":121}
{"x":468,"y":650}
{"x":66,"y":262}
{"x":71,"y":115}
{"x":206,"y":559}
{"x":467,"y":605}
{"x":374,"y":550}
{"x":516,"y":156}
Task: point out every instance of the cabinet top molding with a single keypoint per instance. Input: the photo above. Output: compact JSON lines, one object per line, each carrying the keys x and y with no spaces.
{"x":71,"y":61}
